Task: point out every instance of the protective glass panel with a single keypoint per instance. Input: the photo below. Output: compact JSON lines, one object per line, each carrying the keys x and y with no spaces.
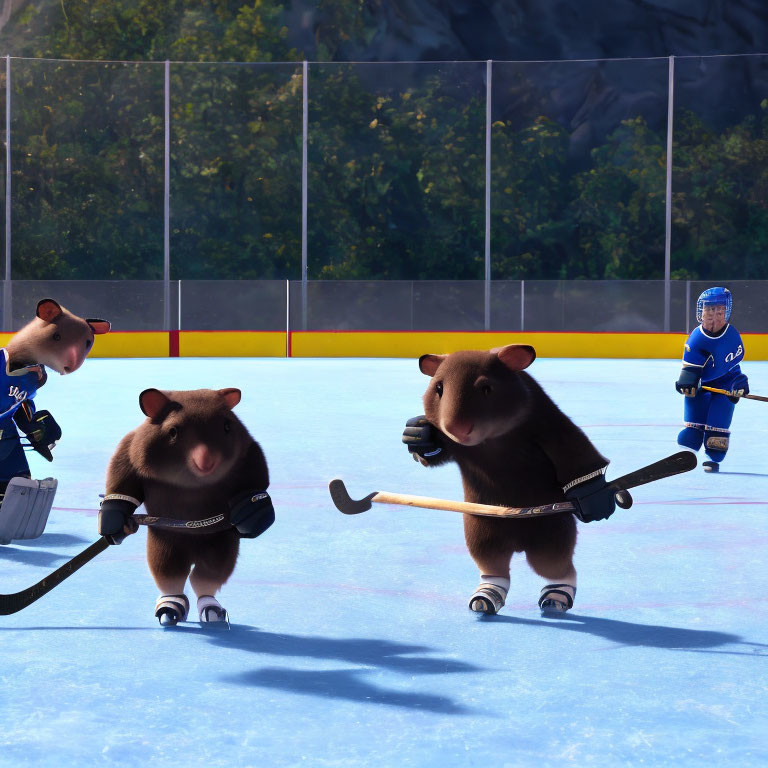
{"x":594,"y":306}
{"x":578,"y":169}
{"x":396,"y":171}
{"x":235,"y":171}
{"x":720,"y":178}
{"x":232,"y":305}
{"x":130,"y":305}
{"x":87,"y":159}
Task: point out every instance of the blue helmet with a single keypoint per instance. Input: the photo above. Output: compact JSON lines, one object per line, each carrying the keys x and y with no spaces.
{"x":715,"y":297}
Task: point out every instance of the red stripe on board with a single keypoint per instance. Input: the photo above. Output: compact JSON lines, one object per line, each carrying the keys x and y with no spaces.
{"x":173,"y":343}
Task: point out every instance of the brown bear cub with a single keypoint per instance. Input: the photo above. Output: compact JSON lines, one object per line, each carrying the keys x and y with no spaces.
{"x":203,"y":481}
{"x":514,"y":448}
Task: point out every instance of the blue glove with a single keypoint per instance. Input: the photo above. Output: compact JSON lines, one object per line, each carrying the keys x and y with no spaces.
{"x":689,"y":381}
{"x":740,"y":385}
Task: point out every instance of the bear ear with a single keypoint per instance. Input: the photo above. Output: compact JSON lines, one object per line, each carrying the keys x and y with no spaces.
{"x":231,"y":397}
{"x":515,"y":356}
{"x":48,"y":310}
{"x":99,"y":326}
{"x":152,"y":402}
{"x":428,"y":364}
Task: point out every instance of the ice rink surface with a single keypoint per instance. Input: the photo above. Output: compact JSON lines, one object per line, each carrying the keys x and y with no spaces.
{"x":351,"y":642}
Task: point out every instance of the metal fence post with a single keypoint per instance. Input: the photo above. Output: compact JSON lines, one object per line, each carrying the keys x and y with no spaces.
{"x":7,"y":308}
{"x":668,"y":220}
{"x":488,"y":97}
{"x":304,"y":139}
{"x":167,"y":203}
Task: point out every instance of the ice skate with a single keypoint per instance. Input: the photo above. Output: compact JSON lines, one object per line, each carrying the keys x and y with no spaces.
{"x":488,"y":599}
{"x":556,"y":599}
{"x":171,"y":609}
{"x":210,"y":611}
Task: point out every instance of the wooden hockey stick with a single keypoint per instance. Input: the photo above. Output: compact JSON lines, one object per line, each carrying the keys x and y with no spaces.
{"x":349,"y":506}
{"x":683,"y":461}
{"x":733,"y":394}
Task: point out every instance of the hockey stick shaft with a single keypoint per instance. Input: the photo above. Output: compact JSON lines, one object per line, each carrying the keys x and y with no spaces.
{"x":19,"y":600}
{"x":468,"y":507}
{"x":733,"y":394}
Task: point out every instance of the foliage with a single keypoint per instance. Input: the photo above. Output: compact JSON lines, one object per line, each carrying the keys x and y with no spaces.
{"x":396,"y":186}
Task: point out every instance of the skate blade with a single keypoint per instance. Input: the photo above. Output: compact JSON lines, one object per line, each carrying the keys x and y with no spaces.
{"x":217,"y":626}
{"x":553,"y":608}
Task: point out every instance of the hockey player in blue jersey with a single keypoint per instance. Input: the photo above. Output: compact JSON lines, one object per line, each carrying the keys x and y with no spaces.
{"x":712,"y":355}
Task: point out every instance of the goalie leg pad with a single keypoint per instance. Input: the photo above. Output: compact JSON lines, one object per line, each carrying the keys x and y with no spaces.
{"x":171,"y":609}
{"x":557,"y":598}
{"x":25,"y":508}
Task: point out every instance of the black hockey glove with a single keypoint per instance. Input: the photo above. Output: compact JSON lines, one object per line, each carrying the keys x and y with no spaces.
{"x":689,"y":381}
{"x":421,"y":438}
{"x":251,"y":513}
{"x":116,"y":520}
{"x":41,"y":430}
{"x":594,"y":499}
{"x":740,"y":387}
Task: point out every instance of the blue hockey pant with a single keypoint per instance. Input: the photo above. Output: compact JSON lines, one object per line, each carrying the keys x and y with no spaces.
{"x":707,"y":420}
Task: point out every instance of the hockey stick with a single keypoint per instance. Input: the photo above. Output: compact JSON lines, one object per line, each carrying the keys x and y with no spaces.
{"x":682,"y":461}
{"x":19,"y":600}
{"x":733,"y":394}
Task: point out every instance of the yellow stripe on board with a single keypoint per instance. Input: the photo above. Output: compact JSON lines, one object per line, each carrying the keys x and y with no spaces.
{"x":397,"y":344}
{"x":131,"y":344}
{"x":232,"y":344}
{"x":414,"y":344}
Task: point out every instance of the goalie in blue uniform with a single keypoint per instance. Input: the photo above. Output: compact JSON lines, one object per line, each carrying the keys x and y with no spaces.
{"x":712,"y":355}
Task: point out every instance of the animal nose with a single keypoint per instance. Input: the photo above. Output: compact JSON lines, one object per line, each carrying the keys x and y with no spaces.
{"x":461,"y":430}
{"x":72,"y":360}
{"x":204,"y":461}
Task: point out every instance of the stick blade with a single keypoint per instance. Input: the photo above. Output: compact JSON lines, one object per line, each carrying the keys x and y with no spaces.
{"x":344,"y":503}
{"x":683,"y":461}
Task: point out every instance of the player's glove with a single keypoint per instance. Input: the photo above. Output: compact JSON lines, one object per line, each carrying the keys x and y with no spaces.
{"x":594,"y":499}
{"x":41,"y":429}
{"x":116,"y":520}
{"x":421,"y":438}
{"x":739,"y":387}
{"x":688,"y":382}
{"x":251,"y":512}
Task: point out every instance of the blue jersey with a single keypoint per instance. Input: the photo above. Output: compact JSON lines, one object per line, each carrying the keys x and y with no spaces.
{"x":716,"y":356}
{"x":16,"y":386}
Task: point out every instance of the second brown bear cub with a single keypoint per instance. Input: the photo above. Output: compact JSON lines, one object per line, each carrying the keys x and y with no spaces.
{"x":514,"y":448}
{"x":194,"y":465}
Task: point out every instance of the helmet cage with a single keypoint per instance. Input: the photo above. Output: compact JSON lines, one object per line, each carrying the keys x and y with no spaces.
{"x":714,"y":297}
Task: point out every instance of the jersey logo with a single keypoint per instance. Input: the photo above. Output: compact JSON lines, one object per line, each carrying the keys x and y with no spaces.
{"x":687,"y":348}
{"x":731,"y":356}
{"x":17,"y":394}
